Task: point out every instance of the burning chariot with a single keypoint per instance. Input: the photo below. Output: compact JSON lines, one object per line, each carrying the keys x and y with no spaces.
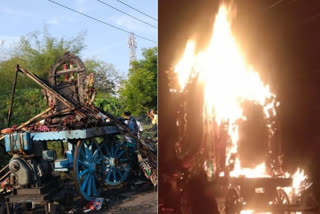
{"x":213,"y":87}
{"x":100,"y":149}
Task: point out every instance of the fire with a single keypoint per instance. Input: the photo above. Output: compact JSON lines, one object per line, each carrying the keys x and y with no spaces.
{"x":184,"y":67}
{"x":299,"y":182}
{"x":251,"y":212}
{"x":228,"y":81}
{"x":247,"y":211}
{"x":258,"y":171}
{"x":298,"y":178}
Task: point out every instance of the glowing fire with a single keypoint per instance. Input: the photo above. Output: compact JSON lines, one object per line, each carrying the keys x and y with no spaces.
{"x":251,"y":212}
{"x":258,"y":171}
{"x":298,"y":178}
{"x":228,"y":81}
{"x":299,"y":182}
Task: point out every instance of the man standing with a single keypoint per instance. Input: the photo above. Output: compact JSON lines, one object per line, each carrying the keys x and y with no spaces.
{"x":131,"y":122}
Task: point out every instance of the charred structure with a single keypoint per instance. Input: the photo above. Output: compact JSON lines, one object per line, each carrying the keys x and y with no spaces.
{"x":101,"y":150}
{"x":202,"y":167}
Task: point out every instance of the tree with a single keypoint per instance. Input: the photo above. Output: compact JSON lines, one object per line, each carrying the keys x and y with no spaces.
{"x":36,"y":52}
{"x":107,"y":82}
{"x":40,"y":51}
{"x":139,"y":92}
{"x":107,"y":79}
{"x":109,"y":103}
{"x":27,"y":103}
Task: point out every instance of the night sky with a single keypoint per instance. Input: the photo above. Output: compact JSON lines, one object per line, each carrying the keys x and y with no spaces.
{"x":281,"y":39}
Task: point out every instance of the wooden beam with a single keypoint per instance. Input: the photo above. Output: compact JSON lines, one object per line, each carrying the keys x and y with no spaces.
{"x":22,"y":125}
{"x":47,"y":87}
{"x":69,"y":71}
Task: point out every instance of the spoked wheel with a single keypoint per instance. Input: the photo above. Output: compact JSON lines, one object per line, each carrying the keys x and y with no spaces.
{"x":281,"y":199}
{"x":233,"y":205}
{"x":88,"y":168}
{"x":117,"y":163}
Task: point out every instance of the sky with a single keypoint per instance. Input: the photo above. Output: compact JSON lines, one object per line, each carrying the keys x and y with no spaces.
{"x":18,"y":18}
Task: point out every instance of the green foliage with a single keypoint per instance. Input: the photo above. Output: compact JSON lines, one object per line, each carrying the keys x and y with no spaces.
{"x":109,"y":103}
{"x":139,"y":92}
{"x":56,"y":146}
{"x":7,"y":72}
{"x":36,"y":52}
{"x":27,"y":103}
{"x":107,"y":79}
{"x":40,"y":51}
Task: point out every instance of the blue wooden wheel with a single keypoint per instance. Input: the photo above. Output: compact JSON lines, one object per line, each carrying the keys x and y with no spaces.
{"x":88,"y":168}
{"x":117,"y":163}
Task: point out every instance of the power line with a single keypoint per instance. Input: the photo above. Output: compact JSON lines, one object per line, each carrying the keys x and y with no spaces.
{"x":105,"y":23}
{"x":137,"y":10}
{"x":127,"y":14}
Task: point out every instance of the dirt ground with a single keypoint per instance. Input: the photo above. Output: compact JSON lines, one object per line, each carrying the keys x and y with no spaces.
{"x":145,"y":202}
{"x":137,"y":196}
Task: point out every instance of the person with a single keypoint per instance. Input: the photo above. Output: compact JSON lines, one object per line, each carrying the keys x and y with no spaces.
{"x":134,"y":128}
{"x":131,"y":122}
{"x":154,"y":120}
{"x":153,"y":116}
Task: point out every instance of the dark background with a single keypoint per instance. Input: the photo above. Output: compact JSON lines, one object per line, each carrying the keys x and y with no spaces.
{"x":281,"y":39}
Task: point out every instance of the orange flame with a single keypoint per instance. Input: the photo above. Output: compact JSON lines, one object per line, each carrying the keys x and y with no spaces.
{"x":298,"y":177}
{"x":228,"y":81}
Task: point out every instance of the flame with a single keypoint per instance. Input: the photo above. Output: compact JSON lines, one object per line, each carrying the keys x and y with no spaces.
{"x":247,"y":212}
{"x":228,"y":80}
{"x":298,"y":178}
{"x":184,"y":67}
{"x":299,"y":182}
{"x":258,"y":171}
{"x":252,"y":212}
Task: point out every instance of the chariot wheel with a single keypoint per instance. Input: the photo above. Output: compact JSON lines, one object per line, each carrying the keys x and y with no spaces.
{"x":116,"y":162}
{"x":88,"y":168}
{"x":233,"y":205}
{"x":281,"y":198}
